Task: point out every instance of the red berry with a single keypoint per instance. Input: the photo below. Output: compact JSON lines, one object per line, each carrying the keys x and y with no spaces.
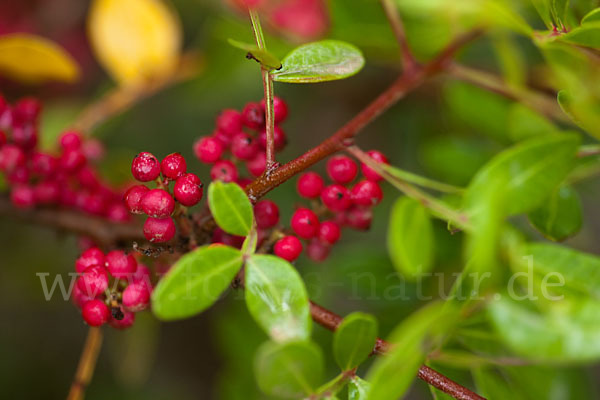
{"x":367,"y":171}
{"x":305,"y":223}
{"x":257,"y":165}
{"x":230,"y":122}
{"x":141,"y":274}
{"x":188,"y":190}
{"x":11,"y":156}
{"x":278,"y":137}
{"x":341,"y":169}
{"x":310,"y":185}
{"x":244,"y":146}
{"x":90,"y":257}
{"x":92,"y":202}
{"x":43,"y":164}
{"x":78,"y":297}
{"x":222,"y":138}
{"x":266,"y":213}
{"x":27,"y":110}
{"x":93,"y":281}
{"x":280,"y":109}
{"x":19,"y":175}
{"x":95,"y":313}
{"x":88,"y":177}
{"x":208,"y":149}
{"x":117,"y":212}
{"x":127,"y":319}
{"x":359,"y":218}
{"x":136,"y":296}
{"x":224,"y":170}
{"x":243,"y":182}
{"x":254,"y":116}
{"x":47,"y":192}
{"x":22,"y":196}
{"x":120,"y":265}
{"x":173,"y":166}
{"x":329,"y":232}
{"x":366,"y":193}
{"x":71,"y":160}
{"x":336,"y":197}
{"x":2,"y":138}
{"x":159,"y":230}
{"x":25,"y":136}
{"x":317,"y":250}
{"x":70,"y":140}
{"x":158,"y":203}
{"x":133,"y":198}
{"x":220,"y":236}
{"x":93,"y":149}
{"x":288,"y":248}
{"x":145,"y":167}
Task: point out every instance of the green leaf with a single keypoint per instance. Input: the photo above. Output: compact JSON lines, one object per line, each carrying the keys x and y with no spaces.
{"x":231,"y":208}
{"x":493,"y":386}
{"x":568,"y":331}
{"x":265,"y":58}
{"x":587,"y":35}
{"x":358,"y":389}
{"x":581,"y":271}
{"x":559,"y":9}
{"x":591,"y":17}
{"x":288,"y":370}
{"x":583,"y":110}
{"x":276,"y":298}
{"x":354,"y":340}
{"x":559,"y":217}
{"x":410,"y":238}
{"x":322,"y":61}
{"x":391,"y":375}
{"x":527,"y":172}
{"x":195,"y":282}
{"x":524,"y":123}
{"x":543,"y":9}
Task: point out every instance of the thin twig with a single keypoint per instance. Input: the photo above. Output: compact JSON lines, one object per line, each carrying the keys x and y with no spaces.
{"x":408,"y":59}
{"x":87,"y":363}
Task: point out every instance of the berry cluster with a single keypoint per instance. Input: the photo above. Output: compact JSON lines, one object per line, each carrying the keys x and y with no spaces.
{"x":343,"y":204}
{"x":243,"y":135}
{"x":111,"y":287}
{"x":66,"y":178}
{"x":158,"y":204}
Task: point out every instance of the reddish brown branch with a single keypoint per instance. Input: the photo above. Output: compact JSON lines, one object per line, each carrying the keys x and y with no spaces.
{"x":408,"y":60}
{"x":87,"y":364}
{"x":331,"y":321}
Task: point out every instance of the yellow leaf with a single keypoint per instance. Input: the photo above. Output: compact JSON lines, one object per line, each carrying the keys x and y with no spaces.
{"x":34,"y":59}
{"x":135,"y":40}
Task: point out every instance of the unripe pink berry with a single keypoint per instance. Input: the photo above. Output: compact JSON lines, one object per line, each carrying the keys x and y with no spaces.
{"x":224,"y":170}
{"x":257,"y":165}
{"x":93,"y":281}
{"x":159,"y":230}
{"x":145,"y":167}
{"x":22,"y":196}
{"x":95,"y":313}
{"x":71,"y":160}
{"x":136,"y":296}
{"x":11,"y":156}
{"x":25,"y":136}
{"x":120,"y":265}
{"x":359,"y":218}
{"x":47,"y":192}
{"x":127,"y":320}
{"x":93,"y":149}
{"x":288,"y":248}
{"x":230,"y":122}
{"x":90,"y":257}
{"x":317,"y":250}
{"x":329,"y":232}
{"x":310,"y":185}
{"x":336,"y":197}
{"x":158,"y":203}
{"x":266,"y":214}
{"x":341,"y":169}
{"x":173,"y":166}
{"x":305,"y":223}
{"x":43,"y":164}
{"x":280,"y":109}
{"x":244,"y":146}
{"x":208,"y":149}
{"x":279,"y":138}
{"x":254,"y":116}
{"x":188,"y":190}
{"x":366,"y":193}
{"x":133,"y":198}
{"x":70,"y":140}
{"x":367,"y":171}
